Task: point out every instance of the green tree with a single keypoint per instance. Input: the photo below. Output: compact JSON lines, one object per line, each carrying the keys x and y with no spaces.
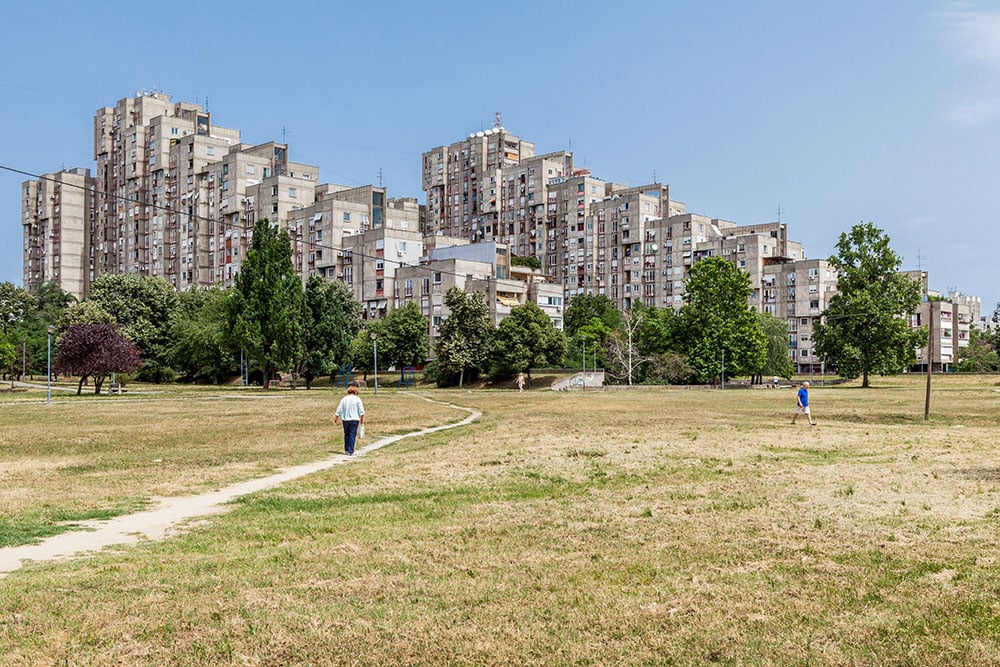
{"x":404,"y":337}
{"x":670,"y":368}
{"x":143,"y":307}
{"x":980,"y":355}
{"x":465,"y":338}
{"x":716,"y":319}
{"x":16,"y":306}
{"x":84,"y":312}
{"x":776,"y":361}
{"x":8,"y":355}
{"x":526,"y":339}
{"x":266,"y":304}
{"x":31,"y":335}
{"x":865,"y":328}
{"x":201,"y":348}
{"x":582,"y":308}
{"x":331,"y":317}
{"x":362,"y":352}
{"x":591,"y":339}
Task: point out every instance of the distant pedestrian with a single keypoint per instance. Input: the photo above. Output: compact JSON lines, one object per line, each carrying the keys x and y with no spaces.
{"x":802,"y":404}
{"x":350,"y":411}
{"x":775,"y":381}
{"x":520,"y":381}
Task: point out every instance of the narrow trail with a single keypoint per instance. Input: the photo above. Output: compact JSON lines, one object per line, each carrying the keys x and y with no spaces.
{"x":168,"y":513}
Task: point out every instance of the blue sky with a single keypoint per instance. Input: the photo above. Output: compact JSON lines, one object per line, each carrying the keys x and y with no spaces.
{"x":838,"y":113}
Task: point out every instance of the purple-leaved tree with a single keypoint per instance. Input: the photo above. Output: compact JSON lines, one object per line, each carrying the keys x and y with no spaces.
{"x":94,"y":350}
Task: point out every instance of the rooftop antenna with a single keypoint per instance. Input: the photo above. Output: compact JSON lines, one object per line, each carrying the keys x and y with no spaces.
{"x":779,"y":212}
{"x":380,"y":177}
{"x":284,"y":131}
{"x":497,"y":121}
{"x":654,"y":176}
{"x":920,"y":264}
{"x":571,"y":144}
{"x":206,"y":103}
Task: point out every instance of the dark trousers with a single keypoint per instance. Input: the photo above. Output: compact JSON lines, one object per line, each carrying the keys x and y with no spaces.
{"x":350,"y":434}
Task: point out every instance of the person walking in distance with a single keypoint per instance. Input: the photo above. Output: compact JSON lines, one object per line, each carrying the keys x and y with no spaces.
{"x":350,"y":411}
{"x":802,"y":404}
{"x":520,"y":381}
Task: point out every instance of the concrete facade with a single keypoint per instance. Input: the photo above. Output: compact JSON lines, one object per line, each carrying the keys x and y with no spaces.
{"x":57,"y":217}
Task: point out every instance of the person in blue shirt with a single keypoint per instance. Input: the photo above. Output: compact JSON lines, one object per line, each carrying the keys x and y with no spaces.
{"x":350,"y":411}
{"x":802,"y":404}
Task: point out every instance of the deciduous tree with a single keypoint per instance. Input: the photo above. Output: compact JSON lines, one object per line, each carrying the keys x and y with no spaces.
{"x":865,"y":328}
{"x":16,"y":305}
{"x":526,"y":339}
{"x":582,"y":308}
{"x":404,"y":337}
{"x":776,"y":361}
{"x":716,"y":319}
{"x":465,"y":338}
{"x":143,"y":307}
{"x":201,"y":347}
{"x":94,"y":350}
{"x":331,"y":317}
{"x":624,"y":355}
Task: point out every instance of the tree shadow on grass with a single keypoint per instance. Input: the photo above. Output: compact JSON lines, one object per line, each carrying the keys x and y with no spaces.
{"x":982,"y":474}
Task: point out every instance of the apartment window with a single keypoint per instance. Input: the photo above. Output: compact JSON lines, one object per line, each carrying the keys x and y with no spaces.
{"x":293,"y":193}
{"x":437,"y":277}
{"x":274,"y":190}
{"x":274,"y":208}
{"x":347,"y":217}
{"x":173,"y":130}
{"x":209,"y":150}
{"x":251,"y":169}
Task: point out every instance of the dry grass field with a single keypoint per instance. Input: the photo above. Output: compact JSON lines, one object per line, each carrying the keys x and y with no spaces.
{"x":645,"y":527}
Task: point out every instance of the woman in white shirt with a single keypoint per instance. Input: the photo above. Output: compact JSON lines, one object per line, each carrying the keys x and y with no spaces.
{"x":350,"y":411}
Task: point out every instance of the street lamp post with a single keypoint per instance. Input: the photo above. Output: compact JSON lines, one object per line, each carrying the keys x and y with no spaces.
{"x":375,"y":355}
{"x":48,"y":391}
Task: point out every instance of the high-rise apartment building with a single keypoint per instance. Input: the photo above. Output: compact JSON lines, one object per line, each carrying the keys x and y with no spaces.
{"x":57,"y":216}
{"x":464,"y":184}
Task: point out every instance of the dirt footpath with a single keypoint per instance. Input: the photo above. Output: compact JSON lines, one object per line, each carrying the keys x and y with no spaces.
{"x":171,"y":514}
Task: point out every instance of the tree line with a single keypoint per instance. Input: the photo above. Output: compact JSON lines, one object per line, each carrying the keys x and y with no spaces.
{"x":141,"y":325}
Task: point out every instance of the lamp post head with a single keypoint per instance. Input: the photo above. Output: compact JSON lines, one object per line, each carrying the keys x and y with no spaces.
{"x":373,"y":336}
{"x":51,"y":329}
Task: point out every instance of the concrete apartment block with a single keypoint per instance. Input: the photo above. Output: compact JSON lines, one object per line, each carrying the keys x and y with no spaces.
{"x":371,"y":260}
{"x":463,"y":183}
{"x":57,"y":215}
{"x":798,"y":292}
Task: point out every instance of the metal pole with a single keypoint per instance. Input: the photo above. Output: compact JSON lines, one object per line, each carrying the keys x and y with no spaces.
{"x":375,"y":353}
{"x":48,"y":378}
{"x":584,"y":376}
{"x":930,"y":358}
{"x":723,"y":368}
